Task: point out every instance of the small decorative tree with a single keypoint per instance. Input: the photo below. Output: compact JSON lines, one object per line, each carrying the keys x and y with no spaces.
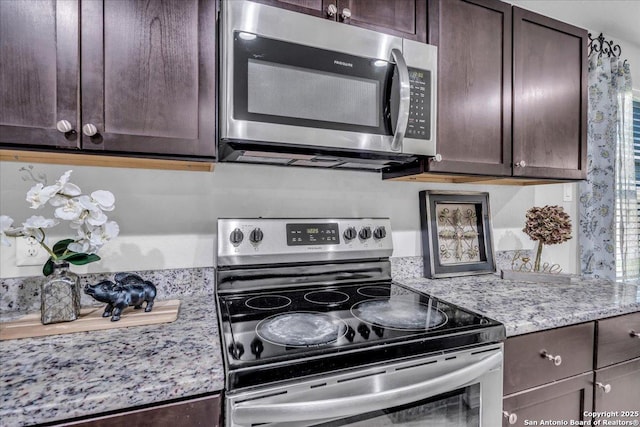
{"x":548,"y":225}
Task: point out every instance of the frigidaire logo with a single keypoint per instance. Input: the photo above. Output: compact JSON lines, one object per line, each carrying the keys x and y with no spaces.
{"x":344,"y":64}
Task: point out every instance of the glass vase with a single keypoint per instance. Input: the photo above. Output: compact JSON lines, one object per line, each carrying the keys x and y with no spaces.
{"x":60,"y":293}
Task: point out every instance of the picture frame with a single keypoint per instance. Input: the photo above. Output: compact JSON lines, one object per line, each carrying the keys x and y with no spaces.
{"x":456,"y":233}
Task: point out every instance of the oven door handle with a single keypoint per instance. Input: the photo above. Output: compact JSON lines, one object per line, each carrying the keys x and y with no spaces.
{"x":248,"y":412}
{"x":405,"y":99}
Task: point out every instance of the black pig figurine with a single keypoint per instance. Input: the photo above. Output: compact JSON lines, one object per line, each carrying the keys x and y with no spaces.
{"x":129,"y":289}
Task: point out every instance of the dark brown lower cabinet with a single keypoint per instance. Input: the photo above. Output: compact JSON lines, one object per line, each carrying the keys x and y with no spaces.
{"x":564,"y":400}
{"x":617,"y":389}
{"x":200,"y":412}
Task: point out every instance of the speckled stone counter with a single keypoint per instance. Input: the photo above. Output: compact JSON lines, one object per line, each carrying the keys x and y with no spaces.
{"x":67,"y":376}
{"x":529,"y":307}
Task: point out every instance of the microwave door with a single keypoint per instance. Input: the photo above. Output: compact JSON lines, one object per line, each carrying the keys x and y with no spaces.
{"x":287,"y":93}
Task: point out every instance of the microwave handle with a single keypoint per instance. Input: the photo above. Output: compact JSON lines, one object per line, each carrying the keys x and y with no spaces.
{"x":246,"y":413}
{"x":405,"y":92}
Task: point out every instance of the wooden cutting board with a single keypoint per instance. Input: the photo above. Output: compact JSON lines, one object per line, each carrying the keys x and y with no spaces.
{"x":90,"y":320}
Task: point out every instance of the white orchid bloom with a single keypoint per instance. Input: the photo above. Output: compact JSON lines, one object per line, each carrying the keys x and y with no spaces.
{"x":101,"y":235}
{"x":104,"y":199}
{"x":96,"y":218}
{"x":5,"y":224}
{"x":39,"y":195}
{"x":65,"y":187}
{"x":71,"y":210}
{"x":34,"y":224}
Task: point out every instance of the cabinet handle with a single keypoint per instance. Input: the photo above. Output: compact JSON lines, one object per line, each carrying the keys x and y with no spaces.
{"x":557,"y":360}
{"x":521,"y":164}
{"x":437,"y":158}
{"x":513,"y":418}
{"x":89,"y":129}
{"x":346,"y":14}
{"x":332,"y":10}
{"x":634,"y":334}
{"x":605,"y":387}
{"x":64,"y":126}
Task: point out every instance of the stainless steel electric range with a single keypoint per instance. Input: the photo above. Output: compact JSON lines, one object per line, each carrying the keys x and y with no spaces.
{"x":315,"y":333}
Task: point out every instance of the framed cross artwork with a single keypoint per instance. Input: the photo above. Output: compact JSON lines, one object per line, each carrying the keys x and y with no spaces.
{"x":456,"y":233}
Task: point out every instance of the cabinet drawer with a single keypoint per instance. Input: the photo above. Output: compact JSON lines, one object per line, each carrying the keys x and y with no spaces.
{"x":616,"y":342}
{"x":526,"y":366}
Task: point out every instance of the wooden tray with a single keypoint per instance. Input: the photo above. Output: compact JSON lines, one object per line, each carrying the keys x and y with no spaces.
{"x":90,"y":320}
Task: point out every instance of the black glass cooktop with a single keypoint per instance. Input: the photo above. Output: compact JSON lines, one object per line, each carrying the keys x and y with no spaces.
{"x":280,"y":334}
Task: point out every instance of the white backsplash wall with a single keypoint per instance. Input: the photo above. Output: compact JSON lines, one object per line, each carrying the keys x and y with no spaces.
{"x":168,"y":218}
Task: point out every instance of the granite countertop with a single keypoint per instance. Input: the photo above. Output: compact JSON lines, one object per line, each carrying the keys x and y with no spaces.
{"x":529,"y":307}
{"x":72,"y":375}
{"x":66,"y":376}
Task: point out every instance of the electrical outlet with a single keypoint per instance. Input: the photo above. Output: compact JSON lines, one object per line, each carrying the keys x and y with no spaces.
{"x":29,"y":252}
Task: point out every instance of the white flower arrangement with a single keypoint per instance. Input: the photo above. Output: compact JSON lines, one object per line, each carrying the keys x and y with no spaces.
{"x":86,"y":214}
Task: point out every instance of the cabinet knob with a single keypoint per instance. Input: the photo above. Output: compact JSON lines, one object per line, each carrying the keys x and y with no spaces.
{"x":521,"y":164}
{"x":634,"y":334}
{"x":332,"y":10}
{"x":512,"y":418}
{"x":557,"y":360}
{"x":64,"y":126}
{"x":437,"y":158}
{"x":346,"y":14}
{"x":605,"y":387}
{"x":89,"y":129}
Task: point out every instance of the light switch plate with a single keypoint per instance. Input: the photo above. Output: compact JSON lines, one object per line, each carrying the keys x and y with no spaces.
{"x":29,"y":252}
{"x":567,"y":193}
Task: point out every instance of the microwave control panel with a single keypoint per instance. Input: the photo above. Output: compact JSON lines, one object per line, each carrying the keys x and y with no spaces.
{"x":419,"y":126}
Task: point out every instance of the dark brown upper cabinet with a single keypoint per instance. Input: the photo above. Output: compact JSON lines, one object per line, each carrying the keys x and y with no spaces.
{"x":39,"y":63}
{"x":146,"y":73}
{"x":403,"y":18}
{"x":549,"y":97}
{"x":512,"y":89}
{"x":474,"y":87}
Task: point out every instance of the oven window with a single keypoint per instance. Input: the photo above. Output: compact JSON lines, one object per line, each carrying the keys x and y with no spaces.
{"x":460,"y":408}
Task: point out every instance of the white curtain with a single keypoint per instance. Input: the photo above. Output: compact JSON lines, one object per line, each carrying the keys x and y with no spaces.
{"x":608,"y":229}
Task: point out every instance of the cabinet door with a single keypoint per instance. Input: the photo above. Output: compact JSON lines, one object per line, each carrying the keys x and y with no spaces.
{"x":201,"y":412}
{"x":404,"y":18}
{"x":148,"y":76}
{"x":566,"y":400}
{"x":474,"y":86}
{"x":623,"y":381}
{"x":38,"y":72}
{"x":309,"y":7}
{"x":549,"y":97}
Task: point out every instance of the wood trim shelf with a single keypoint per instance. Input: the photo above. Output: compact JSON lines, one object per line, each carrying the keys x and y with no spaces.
{"x":473,"y":179}
{"x":103,"y":161}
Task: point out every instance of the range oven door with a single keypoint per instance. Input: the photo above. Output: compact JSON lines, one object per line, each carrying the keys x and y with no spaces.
{"x":290,"y":80}
{"x":462,"y":389}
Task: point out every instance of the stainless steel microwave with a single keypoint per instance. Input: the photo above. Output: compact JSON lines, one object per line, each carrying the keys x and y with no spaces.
{"x":299,"y":90}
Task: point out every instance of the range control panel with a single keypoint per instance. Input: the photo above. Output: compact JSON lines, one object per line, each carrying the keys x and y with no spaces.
{"x":261,"y":240}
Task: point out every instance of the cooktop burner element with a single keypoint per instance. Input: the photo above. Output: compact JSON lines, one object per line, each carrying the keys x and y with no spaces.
{"x":373,"y":291}
{"x":268,"y":302}
{"x":301,"y":329}
{"x":326,"y":297}
{"x":399,"y":314}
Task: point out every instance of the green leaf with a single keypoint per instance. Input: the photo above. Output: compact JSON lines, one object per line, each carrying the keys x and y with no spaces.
{"x":81,"y":259}
{"x":61,"y":246}
{"x":47,"y":269}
